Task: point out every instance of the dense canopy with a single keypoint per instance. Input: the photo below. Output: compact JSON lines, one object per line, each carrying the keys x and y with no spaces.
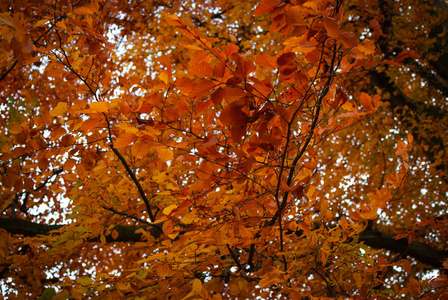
{"x":224,"y":149}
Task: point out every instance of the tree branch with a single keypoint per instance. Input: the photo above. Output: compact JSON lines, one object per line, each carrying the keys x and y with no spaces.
{"x":420,"y":251}
{"x":399,"y":100}
{"x":372,"y":238}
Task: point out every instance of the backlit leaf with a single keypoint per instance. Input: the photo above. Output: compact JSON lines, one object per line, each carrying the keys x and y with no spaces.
{"x":165,"y":154}
{"x":60,"y":109}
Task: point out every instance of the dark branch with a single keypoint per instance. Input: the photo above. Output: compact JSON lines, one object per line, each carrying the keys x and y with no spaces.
{"x":421,"y":252}
{"x":372,"y":238}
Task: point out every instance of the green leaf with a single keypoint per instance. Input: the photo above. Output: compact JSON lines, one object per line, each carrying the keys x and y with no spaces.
{"x":48,"y":293}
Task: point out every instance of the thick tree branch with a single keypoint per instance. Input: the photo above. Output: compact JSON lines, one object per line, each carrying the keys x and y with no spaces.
{"x":30,"y":229}
{"x":398,"y":100}
{"x":372,"y":238}
{"x":421,"y":252}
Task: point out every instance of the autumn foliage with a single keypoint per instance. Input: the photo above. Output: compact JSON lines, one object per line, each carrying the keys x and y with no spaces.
{"x":224,"y":149}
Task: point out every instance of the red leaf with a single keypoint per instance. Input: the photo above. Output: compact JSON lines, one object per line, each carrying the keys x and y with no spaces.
{"x":405,"y":54}
{"x":286,"y":58}
{"x":218,"y":96}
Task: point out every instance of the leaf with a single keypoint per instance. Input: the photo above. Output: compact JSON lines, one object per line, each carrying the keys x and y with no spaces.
{"x":114,"y":234}
{"x":124,"y":139}
{"x":230,"y":49}
{"x":349,"y":39}
{"x":376,"y":27}
{"x":265,"y":6}
{"x":60,"y":109}
{"x":165,"y":155}
{"x":84,"y":281}
{"x":167,"y":210}
{"x":164,"y":270}
{"x":197,"y":286}
{"x":99,"y":107}
{"x":47,"y":294}
{"x":367,"y":47}
{"x":332,"y":27}
{"x":266,"y":61}
{"x":366,"y":102}
{"x":217,"y":96}
{"x":405,"y":54}
{"x":83,"y":11}
{"x":401,"y":148}
{"x":270,"y":279}
{"x":414,"y":286}
{"x":286,"y":58}
{"x":295,"y":15}
{"x":40,"y":23}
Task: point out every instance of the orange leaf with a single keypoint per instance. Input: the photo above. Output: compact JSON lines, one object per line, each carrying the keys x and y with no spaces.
{"x":376,"y":27}
{"x":100,"y":106}
{"x":265,"y":6}
{"x":332,"y":27}
{"x":229,"y":49}
{"x":267,"y":61}
{"x":83,"y":11}
{"x":401,"y":148}
{"x":165,"y":154}
{"x":349,"y":39}
{"x":202,"y":69}
{"x":366,"y":102}
{"x":367,"y":47}
{"x":163,"y":270}
{"x":414,"y":286}
{"x":60,"y":109}
{"x":294,"y":16}
{"x":124,"y":139}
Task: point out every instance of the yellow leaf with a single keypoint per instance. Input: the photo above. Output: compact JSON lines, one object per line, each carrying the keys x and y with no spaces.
{"x":40,"y":23}
{"x":84,"y":280}
{"x":164,"y":77}
{"x":114,"y":234}
{"x":169,"y":209}
{"x":165,"y":154}
{"x":60,"y":109}
{"x":197,"y":286}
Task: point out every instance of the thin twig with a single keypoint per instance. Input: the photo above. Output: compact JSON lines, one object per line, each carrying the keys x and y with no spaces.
{"x":135,"y":180}
{"x":9,"y":70}
{"x":235,"y":259}
{"x":156,"y":226}
{"x":329,"y":287}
